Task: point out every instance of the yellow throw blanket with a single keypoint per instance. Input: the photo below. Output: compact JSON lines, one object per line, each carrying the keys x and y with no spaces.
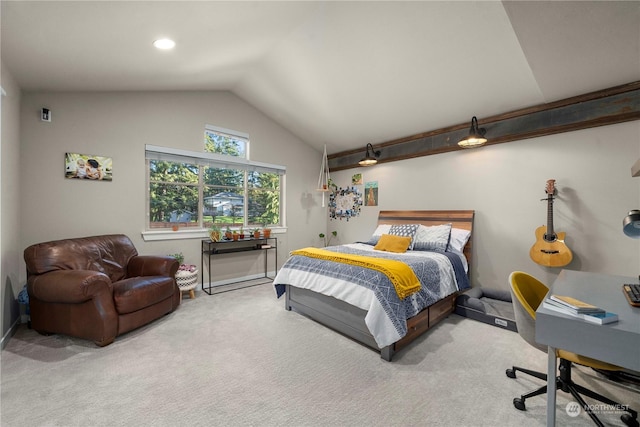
{"x":400,"y":274}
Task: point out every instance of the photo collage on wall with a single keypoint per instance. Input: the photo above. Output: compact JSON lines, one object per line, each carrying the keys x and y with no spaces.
{"x":345,"y":203}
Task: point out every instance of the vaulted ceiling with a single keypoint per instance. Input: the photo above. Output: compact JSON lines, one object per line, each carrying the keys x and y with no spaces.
{"x":338,"y":73}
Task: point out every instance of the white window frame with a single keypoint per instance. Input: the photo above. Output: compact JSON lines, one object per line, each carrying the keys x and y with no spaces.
{"x":234,"y":134}
{"x":154,"y":152}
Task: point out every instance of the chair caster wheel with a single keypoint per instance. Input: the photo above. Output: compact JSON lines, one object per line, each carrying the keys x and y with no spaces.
{"x":629,"y":420}
{"x":519,"y":404}
{"x":511,"y":373}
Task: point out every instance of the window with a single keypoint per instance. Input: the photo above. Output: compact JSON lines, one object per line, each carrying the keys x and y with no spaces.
{"x":224,"y":141}
{"x":220,"y":185}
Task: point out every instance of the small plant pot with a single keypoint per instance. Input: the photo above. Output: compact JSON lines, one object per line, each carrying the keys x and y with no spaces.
{"x":241,"y":236}
{"x":228,"y":235}
{"x":267,"y":233}
{"x":236,"y":236}
{"x":256,"y":234}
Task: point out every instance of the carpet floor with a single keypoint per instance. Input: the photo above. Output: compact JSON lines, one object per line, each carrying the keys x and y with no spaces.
{"x":239,"y":359}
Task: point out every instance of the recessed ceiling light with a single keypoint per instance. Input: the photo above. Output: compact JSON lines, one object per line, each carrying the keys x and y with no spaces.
{"x":164,"y":44}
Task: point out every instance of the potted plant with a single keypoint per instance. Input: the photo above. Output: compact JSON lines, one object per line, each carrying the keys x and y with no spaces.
{"x":266,"y":231}
{"x":214,"y":233}
{"x":241,"y":233}
{"x":235,"y":235}
{"x":186,"y":276}
{"x":228,"y":234}
{"x":179,"y":256}
{"x":326,"y":241}
{"x":256,"y":233}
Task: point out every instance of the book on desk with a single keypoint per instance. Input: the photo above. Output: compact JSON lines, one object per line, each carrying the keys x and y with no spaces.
{"x":579,"y":309}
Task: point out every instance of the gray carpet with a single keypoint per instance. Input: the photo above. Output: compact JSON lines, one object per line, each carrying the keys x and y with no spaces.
{"x":238,"y":358}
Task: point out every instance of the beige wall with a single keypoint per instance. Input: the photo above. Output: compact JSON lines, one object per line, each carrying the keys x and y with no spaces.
{"x":118,"y":125}
{"x":504,"y":184}
{"x":9,"y":202}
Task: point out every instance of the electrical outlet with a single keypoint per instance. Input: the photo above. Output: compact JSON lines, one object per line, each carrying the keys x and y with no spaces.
{"x":45,"y":115}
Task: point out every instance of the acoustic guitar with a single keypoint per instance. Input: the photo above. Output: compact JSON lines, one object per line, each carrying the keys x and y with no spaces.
{"x":549,"y":249}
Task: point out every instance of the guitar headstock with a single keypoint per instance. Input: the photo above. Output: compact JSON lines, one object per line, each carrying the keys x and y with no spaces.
{"x":550,"y":189}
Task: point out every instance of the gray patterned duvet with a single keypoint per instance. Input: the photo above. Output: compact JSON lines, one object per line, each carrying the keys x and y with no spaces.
{"x":440,"y":275}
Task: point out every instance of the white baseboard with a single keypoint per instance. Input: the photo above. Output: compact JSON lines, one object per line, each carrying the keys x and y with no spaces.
{"x":7,"y":336}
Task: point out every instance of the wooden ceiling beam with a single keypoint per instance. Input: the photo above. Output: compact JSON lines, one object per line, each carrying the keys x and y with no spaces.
{"x":605,"y":107}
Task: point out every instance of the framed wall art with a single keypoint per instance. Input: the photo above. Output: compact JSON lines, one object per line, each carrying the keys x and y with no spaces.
{"x":371,"y":192}
{"x":88,"y":167}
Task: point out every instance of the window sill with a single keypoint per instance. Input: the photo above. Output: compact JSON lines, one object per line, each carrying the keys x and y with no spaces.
{"x":199,"y":233}
{"x":153,"y":235}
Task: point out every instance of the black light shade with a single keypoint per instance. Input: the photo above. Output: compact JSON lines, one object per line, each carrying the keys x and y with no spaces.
{"x":631,"y":224}
{"x":370,"y":159}
{"x":476,"y":136}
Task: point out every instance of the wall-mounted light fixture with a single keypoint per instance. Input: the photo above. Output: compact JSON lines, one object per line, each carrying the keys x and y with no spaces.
{"x":631,"y":224}
{"x":370,"y":159}
{"x":476,"y":136}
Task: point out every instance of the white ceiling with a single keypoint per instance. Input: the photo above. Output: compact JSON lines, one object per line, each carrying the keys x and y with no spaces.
{"x":337,"y":72}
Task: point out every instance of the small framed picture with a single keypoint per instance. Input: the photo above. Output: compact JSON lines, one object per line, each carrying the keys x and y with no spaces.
{"x":371,"y":193}
{"x":88,"y":167}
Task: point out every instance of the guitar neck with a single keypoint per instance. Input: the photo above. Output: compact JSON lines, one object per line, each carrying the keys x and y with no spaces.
{"x":550,"y":232}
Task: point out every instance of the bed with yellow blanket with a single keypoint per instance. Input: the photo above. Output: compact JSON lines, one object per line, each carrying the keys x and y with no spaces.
{"x":381,"y":299}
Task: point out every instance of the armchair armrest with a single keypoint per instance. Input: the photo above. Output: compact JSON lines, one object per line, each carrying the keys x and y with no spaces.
{"x":147,"y":265}
{"x":69,"y":286}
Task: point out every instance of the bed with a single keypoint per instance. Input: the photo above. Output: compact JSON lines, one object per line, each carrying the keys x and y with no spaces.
{"x":320,"y":290}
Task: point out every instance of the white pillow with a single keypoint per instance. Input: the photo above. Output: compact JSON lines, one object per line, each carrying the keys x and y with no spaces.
{"x":432,"y":238}
{"x":458,"y":239}
{"x":382,"y":229}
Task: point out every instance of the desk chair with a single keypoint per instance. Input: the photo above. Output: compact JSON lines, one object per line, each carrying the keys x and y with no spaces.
{"x":527,"y":294}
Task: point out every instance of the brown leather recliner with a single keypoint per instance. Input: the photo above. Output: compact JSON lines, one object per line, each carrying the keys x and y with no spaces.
{"x":97,"y":287}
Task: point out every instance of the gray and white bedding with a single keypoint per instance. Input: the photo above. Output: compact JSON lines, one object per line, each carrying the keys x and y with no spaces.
{"x":440,"y":275}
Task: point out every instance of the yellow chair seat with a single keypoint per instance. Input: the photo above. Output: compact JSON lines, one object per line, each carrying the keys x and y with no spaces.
{"x":586,"y":361}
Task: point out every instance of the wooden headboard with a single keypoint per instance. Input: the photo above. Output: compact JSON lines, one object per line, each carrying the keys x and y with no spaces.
{"x":458,"y":219}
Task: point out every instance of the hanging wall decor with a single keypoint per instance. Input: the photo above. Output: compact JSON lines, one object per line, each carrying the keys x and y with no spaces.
{"x":345,"y":203}
{"x":324,"y":180}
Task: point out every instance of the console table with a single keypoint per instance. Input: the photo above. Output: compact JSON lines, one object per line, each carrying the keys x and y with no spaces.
{"x":212,"y":249}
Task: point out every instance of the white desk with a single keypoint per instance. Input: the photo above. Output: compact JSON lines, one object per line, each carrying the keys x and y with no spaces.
{"x":617,"y":343}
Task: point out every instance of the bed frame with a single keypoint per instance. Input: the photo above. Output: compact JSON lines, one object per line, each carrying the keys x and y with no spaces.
{"x":349,"y":320}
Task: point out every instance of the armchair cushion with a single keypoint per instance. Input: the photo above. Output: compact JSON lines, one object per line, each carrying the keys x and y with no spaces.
{"x":136,"y":293}
{"x":106,"y":254}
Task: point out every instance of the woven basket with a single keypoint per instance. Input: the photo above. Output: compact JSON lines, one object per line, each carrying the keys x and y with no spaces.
{"x":187,"y":280}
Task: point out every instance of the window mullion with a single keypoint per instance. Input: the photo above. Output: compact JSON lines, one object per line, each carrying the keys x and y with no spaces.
{"x":201,"y":195}
{"x":246,"y":199}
